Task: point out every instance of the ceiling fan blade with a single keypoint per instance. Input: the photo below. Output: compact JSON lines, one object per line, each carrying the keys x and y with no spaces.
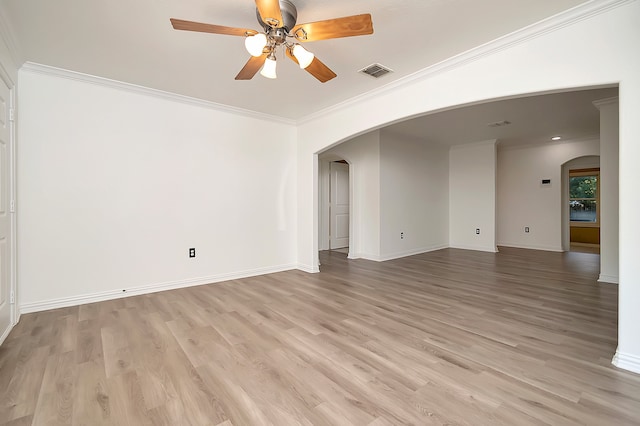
{"x":251,"y":67}
{"x":348,"y":26}
{"x":179,"y":24}
{"x":317,"y":68}
{"x":320,"y":71}
{"x":270,"y":12}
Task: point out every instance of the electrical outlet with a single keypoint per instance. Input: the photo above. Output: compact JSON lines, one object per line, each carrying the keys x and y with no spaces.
{"x":402,"y":235}
{"x":192,"y":252}
{"x":477,"y":231}
{"x":526,"y":229}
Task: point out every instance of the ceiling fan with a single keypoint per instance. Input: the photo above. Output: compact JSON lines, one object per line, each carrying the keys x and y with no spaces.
{"x":278,"y":20}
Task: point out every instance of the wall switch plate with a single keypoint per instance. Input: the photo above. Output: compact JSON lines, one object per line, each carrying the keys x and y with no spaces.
{"x":402,"y":235}
{"x":526,"y":229}
{"x":192,"y":252}
{"x":477,"y":231}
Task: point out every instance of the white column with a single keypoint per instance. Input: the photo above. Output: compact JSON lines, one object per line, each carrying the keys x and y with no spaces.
{"x":472,"y":196}
{"x":609,"y":201}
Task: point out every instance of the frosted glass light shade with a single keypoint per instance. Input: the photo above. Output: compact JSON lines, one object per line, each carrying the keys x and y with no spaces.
{"x":303,"y":56}
{"x":255,"y":44}
{"x":269,"y":68}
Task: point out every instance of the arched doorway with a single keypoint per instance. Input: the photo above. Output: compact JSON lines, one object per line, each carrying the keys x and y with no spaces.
{"x":334,"y":204}
{"x":581,"y":204}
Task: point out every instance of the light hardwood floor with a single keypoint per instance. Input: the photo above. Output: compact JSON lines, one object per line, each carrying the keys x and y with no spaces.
{"x":448,"y":337}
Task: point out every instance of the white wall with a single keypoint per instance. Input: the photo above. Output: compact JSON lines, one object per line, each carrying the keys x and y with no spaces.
{"x":115,"y":187}
{"x":609,"y":182}
{"x":398,"y":185}
{"x":414,"y":196}
{"x":592,"y":45}
{"x":524,"y":201}
{"x":472,"y":196}
{"x":363,"y":155}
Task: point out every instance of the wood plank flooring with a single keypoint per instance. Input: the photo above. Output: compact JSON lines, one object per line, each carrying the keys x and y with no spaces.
{"x":450,"y":337}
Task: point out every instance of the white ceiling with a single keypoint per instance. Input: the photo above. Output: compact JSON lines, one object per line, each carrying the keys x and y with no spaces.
{"x":534,"y":120}
{"x":132,"y":41}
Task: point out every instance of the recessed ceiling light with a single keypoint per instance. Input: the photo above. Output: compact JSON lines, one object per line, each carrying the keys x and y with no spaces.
{"x":556,"y":138}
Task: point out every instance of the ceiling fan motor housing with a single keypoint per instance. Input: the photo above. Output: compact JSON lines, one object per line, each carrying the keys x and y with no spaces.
{"x":277,"y":35}
{"x":289,"y":15}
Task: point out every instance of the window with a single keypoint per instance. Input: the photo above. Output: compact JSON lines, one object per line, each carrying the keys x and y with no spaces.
{"x":584,"y":193}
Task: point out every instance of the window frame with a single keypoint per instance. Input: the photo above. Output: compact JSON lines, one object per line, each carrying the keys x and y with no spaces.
{"x":586,"y":172}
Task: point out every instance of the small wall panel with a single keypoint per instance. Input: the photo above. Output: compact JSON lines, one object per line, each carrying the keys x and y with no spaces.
{"x":585,"y":235}
{"x":342,"y":226}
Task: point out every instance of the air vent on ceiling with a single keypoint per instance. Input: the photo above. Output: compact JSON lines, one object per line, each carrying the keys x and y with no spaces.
{"x":499,"y":123}
{"x":376,"y":70}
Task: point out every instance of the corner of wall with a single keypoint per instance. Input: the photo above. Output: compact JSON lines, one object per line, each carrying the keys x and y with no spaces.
{"x":608,"y":279}
{"x":626,"y":361}
{"x":308,"y":268}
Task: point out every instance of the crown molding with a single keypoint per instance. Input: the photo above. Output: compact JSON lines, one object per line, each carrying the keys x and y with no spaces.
{"x":604,"y":102}
{"x":548,"y":25}
{"x":146,"y":91}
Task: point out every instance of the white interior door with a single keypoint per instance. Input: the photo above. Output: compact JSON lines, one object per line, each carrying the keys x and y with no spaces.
{"x":339,"y":206}
{"x":5,"y":216}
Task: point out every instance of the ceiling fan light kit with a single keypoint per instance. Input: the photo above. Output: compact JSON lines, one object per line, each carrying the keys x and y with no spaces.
{"x":278,"y":20}
{"x":303,"y":56}
{"x":269,"y":67}
{"x":255,"y":44}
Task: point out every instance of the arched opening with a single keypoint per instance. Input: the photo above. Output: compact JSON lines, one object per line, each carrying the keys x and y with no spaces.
{"x":334,"y":203}
{"x":408,"y":176}
{"x":581,"y":204}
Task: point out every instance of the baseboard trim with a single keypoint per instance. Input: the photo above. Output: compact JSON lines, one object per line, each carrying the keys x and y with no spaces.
{"x":383,"y":258}
{"x":146,"y":289}
{"x":608,"y":279}
{"x":475,"y":248}
{"x":626,"y":361}
{"x":5,"y":334}
{"x":15,"y":318}
{"x":365,"y":256}
{"x":399,"y":255}
{"x":530,"y":247}
{"x":308,"y":269}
